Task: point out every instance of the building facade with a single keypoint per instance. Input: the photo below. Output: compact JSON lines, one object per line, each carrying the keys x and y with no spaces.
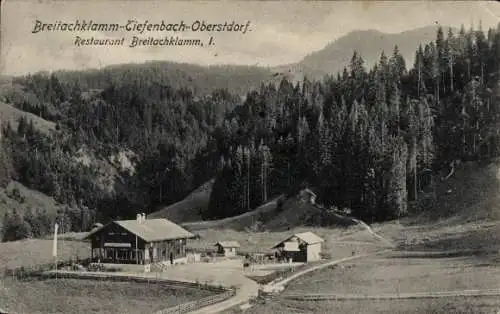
{"x":301,"y":247}
{"x":227,"y":248}
{"x":140,"y":241}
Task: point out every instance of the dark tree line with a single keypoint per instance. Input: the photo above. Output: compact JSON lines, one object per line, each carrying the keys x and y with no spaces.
{"x":361,"y":137}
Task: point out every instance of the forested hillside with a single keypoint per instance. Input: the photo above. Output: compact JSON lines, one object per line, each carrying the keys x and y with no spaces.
{"x":137,"y":138}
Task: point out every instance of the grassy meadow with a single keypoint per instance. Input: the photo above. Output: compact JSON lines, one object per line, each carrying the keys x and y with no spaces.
{"x":91,"y":296}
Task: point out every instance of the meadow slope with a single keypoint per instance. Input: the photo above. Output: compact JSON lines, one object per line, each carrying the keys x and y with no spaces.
{"x":10,"y":114}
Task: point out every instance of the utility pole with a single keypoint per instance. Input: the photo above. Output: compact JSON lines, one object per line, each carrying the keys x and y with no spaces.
{"x":248,"y":179}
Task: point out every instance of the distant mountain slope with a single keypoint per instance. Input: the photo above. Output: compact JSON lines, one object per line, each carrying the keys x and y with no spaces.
{"x":369,"y":43}
{"x":201,"y":80}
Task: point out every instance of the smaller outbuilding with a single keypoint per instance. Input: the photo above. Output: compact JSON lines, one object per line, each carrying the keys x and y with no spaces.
{"x":308,"y":196}
{"x":227,"y":248}
{"x":300,"y":247}
{"x":97,"y":225}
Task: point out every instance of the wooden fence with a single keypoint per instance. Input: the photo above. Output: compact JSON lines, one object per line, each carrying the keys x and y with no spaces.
{"x":198,"y":304}
{"x":132,"y":278}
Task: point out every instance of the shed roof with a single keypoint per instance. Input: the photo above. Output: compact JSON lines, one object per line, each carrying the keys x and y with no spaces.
{"x":308,"y":237}
{"x":151,"y":230}
{"x":310,"y":192}
{"x":228,"y":244}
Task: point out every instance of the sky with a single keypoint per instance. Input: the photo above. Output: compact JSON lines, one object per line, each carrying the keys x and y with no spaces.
{"x":280,"y":32}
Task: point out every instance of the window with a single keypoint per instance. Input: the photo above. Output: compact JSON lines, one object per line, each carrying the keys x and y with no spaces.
{"x":109,"y":253}
{"x":122,"y":254}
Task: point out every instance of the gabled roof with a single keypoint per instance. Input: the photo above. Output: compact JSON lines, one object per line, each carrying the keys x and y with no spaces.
{"x":97,"y":225}
{"x":228,"y":244}
{"x":151,"y":230}
{"x":310,"y":192}
{"x":308,"y":237}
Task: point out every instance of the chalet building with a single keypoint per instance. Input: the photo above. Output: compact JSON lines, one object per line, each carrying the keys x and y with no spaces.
{"x":227,"y":248}
{"x":140,"y":241}
{"x":301,"y":247}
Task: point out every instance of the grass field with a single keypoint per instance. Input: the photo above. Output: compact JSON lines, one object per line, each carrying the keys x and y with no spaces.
{"x":91,"y":296}
{"x":379,"y":275}
{"x":29,"y":253}
{"x":482,"y":305}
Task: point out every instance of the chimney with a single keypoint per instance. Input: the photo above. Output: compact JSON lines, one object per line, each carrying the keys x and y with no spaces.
{"x":139,"y":218}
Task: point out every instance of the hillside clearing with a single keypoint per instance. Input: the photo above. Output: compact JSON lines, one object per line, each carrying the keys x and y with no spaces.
{"x":239,"y":222}
{"x":11,"y":115}
{"x":10,"y":199}
{"x":294,"y":212}
{"x":464,"y":215}
{"x":188,"y":209}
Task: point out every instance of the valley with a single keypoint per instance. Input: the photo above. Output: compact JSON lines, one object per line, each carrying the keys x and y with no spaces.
{"x":385,"y":147}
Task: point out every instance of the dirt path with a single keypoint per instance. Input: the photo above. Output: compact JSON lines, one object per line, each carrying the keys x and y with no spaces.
{"x":373,"y":233}
{"x":416,"y":295}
